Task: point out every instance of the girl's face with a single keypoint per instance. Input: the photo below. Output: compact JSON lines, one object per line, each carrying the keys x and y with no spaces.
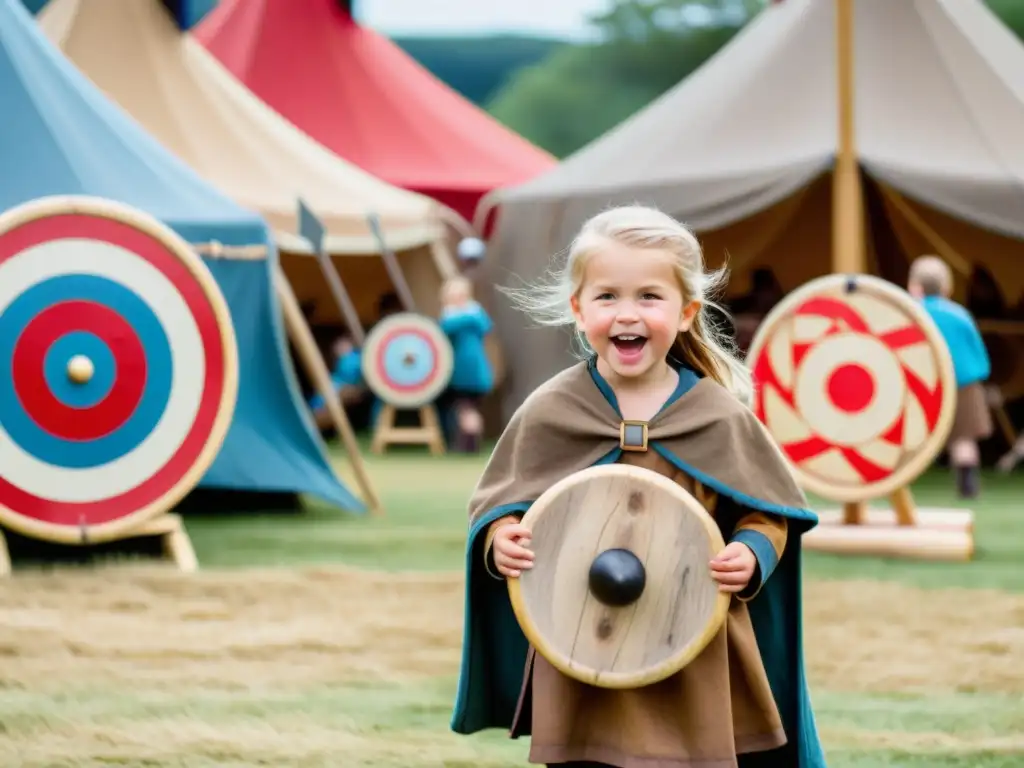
{"x":631,"y":308}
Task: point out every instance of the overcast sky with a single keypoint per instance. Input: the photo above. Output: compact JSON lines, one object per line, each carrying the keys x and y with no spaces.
{"x":555,"y":17}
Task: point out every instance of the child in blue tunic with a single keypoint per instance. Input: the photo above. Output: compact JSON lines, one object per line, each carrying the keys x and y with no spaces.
{"x":466,"y":324}
{"x":931,"y":282}
{"x":347,"y":376}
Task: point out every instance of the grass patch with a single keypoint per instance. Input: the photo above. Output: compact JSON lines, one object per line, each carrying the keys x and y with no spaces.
{"x":407,"y":725}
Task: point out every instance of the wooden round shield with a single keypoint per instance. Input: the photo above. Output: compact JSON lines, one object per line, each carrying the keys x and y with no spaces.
{"x":620,"y":594}
{"x":855,"y":383}
{"x":407,"y":360}
{"x":122,"y":369}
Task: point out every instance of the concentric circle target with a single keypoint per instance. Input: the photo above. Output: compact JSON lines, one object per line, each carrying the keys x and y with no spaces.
{"x":122,"y":369}
{"x":856,"y":385}
{"x":407,"y":360}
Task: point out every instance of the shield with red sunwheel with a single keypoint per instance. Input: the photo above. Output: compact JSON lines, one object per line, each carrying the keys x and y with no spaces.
{"x":123,"y":369}
{"x":856,"y":385}
{"x":407,"y":360}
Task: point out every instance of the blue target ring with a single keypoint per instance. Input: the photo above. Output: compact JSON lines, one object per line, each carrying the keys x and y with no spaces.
{"x":409,"y":360}
{"x":53,"y":449}
{"x":55,"y":369}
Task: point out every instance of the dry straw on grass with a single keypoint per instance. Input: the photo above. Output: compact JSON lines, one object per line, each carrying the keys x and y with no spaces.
{"x":292,"y":628}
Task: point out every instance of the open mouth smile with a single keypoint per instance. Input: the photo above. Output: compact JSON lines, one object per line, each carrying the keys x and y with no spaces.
{"x":629,"y":345}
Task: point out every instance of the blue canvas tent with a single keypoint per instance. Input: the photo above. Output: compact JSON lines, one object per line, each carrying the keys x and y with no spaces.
{"x":188,"y":13}
{"x":61,"y":135}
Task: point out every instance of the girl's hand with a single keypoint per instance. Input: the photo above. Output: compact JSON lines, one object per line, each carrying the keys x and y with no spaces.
{"x":511,"y":556}
{"x":734,"y":567}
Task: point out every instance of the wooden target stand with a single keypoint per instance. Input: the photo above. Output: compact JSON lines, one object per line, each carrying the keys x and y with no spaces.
{"x":110,"y":221}
{"x":379,"y":364}
{"x":856,"y":385}
{"x":386,"y":431}
{"x":901,"y":531}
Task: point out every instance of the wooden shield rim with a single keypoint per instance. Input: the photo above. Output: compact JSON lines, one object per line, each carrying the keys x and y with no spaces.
{"x":667,"y":667}
{"x":935,"y":441}
{"x":445,"y":361}
{"x":57,"y":205}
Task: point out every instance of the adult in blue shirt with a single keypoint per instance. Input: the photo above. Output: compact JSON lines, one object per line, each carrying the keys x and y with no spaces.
{"x":931,"y":282}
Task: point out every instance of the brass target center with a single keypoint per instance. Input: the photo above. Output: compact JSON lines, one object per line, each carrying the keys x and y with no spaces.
{"x":409,"y":359}
{"x":80,"y":369}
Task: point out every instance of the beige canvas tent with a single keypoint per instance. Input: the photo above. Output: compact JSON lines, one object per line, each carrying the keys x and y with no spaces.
{"x":743,"y":151}
{"x":135,"y":52}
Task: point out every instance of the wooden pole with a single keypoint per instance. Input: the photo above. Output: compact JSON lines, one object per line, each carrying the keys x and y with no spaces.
{"x":848,"y":253}
{"x":305,"y":345}
{"x":313,"y":230}
{"x":391,"y":264}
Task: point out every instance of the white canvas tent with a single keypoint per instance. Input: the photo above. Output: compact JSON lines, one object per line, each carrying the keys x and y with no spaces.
{"x":743,"y":151}
{"x":136,"y":53}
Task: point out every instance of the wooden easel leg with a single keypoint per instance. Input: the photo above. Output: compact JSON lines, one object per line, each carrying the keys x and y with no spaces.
{"x":178,"y":548}
{"x":854,"y":513}
{"x":5,"y":556}
{"x":432,"y":423}
{"x":903,"y":505}
{"x":383,"y":428}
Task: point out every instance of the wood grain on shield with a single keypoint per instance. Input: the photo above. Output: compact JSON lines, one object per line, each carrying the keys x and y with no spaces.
{"x":680,"y":609}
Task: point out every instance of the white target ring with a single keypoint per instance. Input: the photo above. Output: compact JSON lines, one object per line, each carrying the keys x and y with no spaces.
{"x":106,"y":260}
{"x":872,"y":410}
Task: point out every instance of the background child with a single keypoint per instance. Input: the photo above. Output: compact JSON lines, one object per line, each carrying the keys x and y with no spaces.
{"x":635,"y":290}
{"x":466,"y":324}
{"x":346,"y":376}
{"x":931,"y":281}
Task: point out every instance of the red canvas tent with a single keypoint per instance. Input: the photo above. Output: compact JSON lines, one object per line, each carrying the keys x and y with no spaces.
{"x":359,"y":94}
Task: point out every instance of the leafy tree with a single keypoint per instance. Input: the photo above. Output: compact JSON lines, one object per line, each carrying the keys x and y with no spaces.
{"x":477,"y":67}
{"x":644,"y":47}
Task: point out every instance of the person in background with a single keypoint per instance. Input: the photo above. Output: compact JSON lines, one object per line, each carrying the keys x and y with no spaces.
{"x":346,"y":376}
{"x":931,"y":282}
{"x":466,"y":324}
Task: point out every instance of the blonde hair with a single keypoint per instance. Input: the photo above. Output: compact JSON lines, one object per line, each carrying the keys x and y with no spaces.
{"x":933,"y":275}
{"x":704,"y":347}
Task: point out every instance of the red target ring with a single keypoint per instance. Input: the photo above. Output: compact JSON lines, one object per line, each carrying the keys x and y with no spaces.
{"x":407,"y":360}
{"x":420,"y":382}
{"x":34,"y":392}
{"x":856,"y":385}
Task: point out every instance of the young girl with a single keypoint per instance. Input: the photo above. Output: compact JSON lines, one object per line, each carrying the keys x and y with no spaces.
{"x":931,"y":282}
{"x":635,"y":289}
{"x":466,"y":324}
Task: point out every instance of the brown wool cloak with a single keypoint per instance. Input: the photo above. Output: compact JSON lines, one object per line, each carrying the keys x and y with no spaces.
{"x":572,"y":422}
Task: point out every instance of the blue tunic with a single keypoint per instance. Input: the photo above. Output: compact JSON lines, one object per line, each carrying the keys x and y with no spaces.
{"x":347,"y":372}
{"x":466,"y":328}
{"x":970,"y":357}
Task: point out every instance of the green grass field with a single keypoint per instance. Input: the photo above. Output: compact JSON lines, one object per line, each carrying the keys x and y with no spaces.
{"x":81,"y":699}
{"x":424,"y":528}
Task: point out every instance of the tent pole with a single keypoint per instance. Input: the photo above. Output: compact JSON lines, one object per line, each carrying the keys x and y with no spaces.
{"x":848,"y":253}
{"x":302,"y":337}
